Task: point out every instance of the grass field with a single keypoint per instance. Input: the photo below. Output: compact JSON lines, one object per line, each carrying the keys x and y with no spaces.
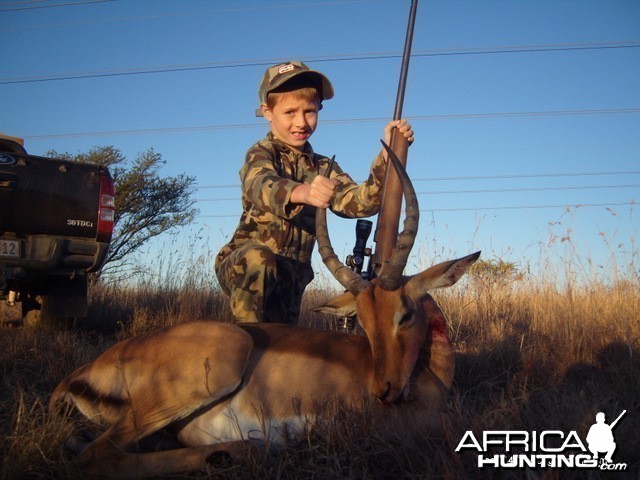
{"x":530,"y":356}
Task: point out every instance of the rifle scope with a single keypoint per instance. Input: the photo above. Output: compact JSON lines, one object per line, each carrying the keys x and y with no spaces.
{"x":363,"y":230}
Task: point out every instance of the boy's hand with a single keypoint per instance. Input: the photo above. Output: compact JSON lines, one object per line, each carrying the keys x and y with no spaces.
{"x":403,"y":127}
{"x":318,"y":193}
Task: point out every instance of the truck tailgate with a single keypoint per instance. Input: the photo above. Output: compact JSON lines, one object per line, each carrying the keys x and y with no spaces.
{"x":54,"y":196}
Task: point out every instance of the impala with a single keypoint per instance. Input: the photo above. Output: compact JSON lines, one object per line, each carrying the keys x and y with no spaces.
{"x":221,"y":386}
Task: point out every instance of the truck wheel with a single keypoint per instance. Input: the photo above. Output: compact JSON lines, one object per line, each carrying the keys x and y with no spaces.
{"x":31,"y":319}
{"x":31,"y":305}
{"x":35,"y":313}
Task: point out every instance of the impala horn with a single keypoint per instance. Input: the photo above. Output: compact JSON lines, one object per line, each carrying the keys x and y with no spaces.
{"x":391,"y":273}
{"x":349,"y":279}
{"x":390,"y":277}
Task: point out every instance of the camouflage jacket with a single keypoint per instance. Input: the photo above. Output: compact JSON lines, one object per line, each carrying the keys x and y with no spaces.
{"x":270,"y":173}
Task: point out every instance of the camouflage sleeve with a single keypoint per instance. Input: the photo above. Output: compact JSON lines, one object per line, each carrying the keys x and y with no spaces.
{"x":264,"y":187}
{"x":353,"y":200}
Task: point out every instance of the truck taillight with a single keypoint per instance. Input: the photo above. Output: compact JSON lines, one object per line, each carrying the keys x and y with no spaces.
{"x":106,"y":210}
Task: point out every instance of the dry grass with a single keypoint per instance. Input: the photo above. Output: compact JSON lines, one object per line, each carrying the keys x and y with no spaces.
{"x":530,"y":356}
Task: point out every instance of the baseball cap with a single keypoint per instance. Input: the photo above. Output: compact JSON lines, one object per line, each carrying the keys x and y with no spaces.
{"x":277,"y":75}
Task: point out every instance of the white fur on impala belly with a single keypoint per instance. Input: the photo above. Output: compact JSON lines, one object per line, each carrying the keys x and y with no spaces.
{"x":234,"y":422}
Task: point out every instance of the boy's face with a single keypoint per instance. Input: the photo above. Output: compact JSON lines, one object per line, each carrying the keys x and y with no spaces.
{"x":293,"y":119}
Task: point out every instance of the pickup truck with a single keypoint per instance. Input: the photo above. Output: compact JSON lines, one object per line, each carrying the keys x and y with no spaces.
{"x":56,"y":222}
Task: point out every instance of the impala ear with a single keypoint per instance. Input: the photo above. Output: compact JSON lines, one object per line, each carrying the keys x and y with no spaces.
{"x":343,"y":306}
{"x":441,"y":275}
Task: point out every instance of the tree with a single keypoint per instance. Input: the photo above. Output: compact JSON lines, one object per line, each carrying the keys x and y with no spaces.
{"x":495,"y":272}
{"x":146,"y":204}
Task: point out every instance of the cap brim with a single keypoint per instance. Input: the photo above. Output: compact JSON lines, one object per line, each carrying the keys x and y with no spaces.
{"x":327,"y":88}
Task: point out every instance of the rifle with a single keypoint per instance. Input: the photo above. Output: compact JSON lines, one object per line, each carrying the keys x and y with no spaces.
{"x":389,"y":217}
{"x":391,"y":205}
{"x":613,"y":424}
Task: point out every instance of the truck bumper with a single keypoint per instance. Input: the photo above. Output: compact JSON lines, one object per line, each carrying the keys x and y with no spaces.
{"x":44,"y":253}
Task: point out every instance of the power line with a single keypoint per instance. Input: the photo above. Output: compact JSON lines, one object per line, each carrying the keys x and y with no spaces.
{"x":66,"y":4}
{"x":479,"y":177}
{"x":472,"y":209}
{"x":487,"y":190}
{"x":269,"y":6}
{"x":221,"y":199}
{"x":525,"y":175}
{"x":324,"y":58}
{"x":527,"y":189}
{"x":527,"y":207}
{"x":145,"y":131}
{"x":23,"y":2}
{"x":453,"y":116}
{"x":206,"y":187}
{"x":544,"y":113}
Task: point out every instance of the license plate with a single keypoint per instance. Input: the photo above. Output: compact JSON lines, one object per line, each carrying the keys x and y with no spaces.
{"x":9,"y":248}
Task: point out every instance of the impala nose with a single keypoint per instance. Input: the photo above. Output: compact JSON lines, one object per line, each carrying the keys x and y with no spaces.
{"x":384,"y":396}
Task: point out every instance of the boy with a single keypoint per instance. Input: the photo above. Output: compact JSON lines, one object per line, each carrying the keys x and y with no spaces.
{"x":266,"y":266}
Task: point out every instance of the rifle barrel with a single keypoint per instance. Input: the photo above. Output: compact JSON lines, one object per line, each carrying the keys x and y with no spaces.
{"x":406,"y":56}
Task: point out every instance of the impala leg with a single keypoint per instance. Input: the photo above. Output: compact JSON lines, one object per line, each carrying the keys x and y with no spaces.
{"x":114,"y":463}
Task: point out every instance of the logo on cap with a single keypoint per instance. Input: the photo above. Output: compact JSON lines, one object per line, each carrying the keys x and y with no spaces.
{"x":285,"y":68}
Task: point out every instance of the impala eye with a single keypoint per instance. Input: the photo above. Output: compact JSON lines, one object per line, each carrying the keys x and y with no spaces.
{"x":406,"y":318}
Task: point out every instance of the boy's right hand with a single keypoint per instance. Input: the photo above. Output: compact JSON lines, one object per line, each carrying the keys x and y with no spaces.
{"x":318,"y":193}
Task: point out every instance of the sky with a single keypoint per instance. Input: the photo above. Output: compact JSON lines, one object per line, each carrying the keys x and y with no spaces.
{"x":526,"y":113}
